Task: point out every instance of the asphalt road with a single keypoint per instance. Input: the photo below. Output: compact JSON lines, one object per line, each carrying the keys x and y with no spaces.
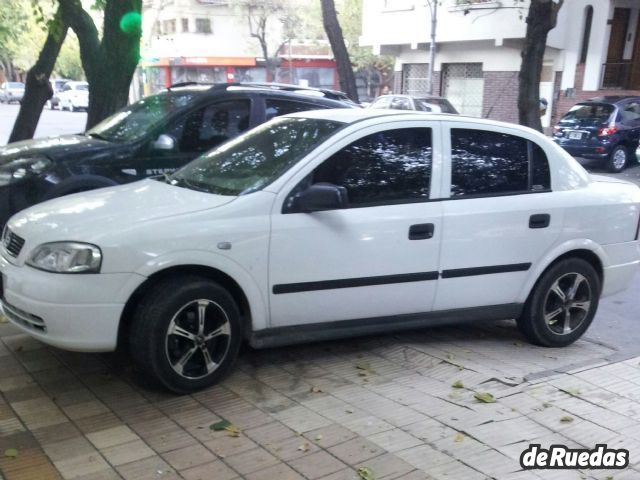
{"x":618,"y":320}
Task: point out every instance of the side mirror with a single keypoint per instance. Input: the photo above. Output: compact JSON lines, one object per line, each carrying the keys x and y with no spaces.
{"x":320,"y":196}
{"x":164,"y":142}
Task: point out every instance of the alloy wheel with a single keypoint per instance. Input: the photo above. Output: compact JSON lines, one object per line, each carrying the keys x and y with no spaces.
{"x":619,"y":159}
{"x":198,"y":339}
{"x":567,"y":303}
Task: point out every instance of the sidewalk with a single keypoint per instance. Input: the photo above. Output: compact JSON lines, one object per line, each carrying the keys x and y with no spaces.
{"x":384,"y":404}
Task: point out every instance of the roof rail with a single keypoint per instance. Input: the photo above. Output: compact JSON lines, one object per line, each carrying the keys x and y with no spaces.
{"x":185,"y":84}
{"x":332,"y":94}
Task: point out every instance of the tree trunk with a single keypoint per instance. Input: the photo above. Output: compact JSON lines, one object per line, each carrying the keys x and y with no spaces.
{"x":336,"y":39}
{"x":542,"y":17}
{"x":108,"y":64}
{"x":38,"y":89}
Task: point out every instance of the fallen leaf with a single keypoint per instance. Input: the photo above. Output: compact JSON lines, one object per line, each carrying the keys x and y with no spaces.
{"x":566,"y":419}
{"x":304,"y":447}
{"x":362,"y":366}
{"x":3,"y":319}
{"x":546,"y":405}
{"x":458,"y":384}
{"x":571,"y":391}
{"x":449,"y":356}
{"x":318,"y":438}
{"x":362,"y":374}
{"x":19,"y":348}
{"x":349,"y":411}
{"x":11,"y":453}
{"x":315,"y":390}
{"x":484,"y":397}
{"x":221,"y":425}
{"x":458,"y":438}
{"x":365,"y":473}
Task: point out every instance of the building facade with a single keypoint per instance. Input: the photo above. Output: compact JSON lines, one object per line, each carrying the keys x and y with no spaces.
{"x":210,"y":41}
{"x":593,"y":51}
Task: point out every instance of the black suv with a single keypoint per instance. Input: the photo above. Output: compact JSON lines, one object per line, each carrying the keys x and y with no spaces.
{"x":156,"y":135}
{"x":603,"y":128}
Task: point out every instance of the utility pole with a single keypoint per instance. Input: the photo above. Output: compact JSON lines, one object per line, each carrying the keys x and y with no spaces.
{"x":433,"y":11}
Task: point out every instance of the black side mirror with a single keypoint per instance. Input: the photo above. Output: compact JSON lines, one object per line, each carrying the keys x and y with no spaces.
{"x":320,"y":196}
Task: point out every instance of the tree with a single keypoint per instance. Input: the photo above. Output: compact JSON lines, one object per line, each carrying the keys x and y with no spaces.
{"x":38,"y":89}
{"x":336,"y":39}
{"x":542,"y":18}
{"x":109,"y":62}
{"x":260,"y":15}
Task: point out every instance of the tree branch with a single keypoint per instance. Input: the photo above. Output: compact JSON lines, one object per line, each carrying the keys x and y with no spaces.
{"x":82,"y":24}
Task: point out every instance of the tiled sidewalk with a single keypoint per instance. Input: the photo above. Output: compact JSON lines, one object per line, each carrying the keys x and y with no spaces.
{"x":320,"y":411}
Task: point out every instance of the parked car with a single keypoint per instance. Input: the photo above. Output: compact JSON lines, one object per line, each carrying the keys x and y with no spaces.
{"x":74,"y":96}
{"x":57,"y":85}
{"x":603,"y":128}
{"x":320,"y":225}
{"x":156,"y":135}
{"x":11,"y":92}
{"x":428,"y":103}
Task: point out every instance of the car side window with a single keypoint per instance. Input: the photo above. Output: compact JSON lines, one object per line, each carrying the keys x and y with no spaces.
{"x":381,"y":103}
{"x":207,"y":127}
{"x":401,"y":103}
{"x":631,"y":112}
{"x":485,"y":163}
{"x":276,"y":107}
{"x":388,"y":167}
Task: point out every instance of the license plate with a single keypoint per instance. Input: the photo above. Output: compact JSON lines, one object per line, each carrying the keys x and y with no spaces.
{"x":575,"y":135}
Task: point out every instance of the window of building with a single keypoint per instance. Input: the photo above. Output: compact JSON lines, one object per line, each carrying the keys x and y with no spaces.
{"x":203,"y":25}
{"x":185,"y":25}
{"x":493,"y":163}
{"x":388,"y":167}
{"x":169,"y":27}
{"x":158,"y":28}
{"x":463,"y":85}
{"x":588,"y":19}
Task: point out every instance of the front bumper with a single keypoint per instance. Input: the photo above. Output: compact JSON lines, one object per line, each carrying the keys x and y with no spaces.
{"x":72,"y":312}
{"x":624,"y":263}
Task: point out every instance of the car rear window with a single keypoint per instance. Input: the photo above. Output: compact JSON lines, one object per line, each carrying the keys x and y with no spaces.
{"x":593,"y":113}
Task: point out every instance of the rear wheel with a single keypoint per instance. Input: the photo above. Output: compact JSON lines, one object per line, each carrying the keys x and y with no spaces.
{"x":562,"y":304}
{"x":618,"y":159}
{"x":186,"y":333}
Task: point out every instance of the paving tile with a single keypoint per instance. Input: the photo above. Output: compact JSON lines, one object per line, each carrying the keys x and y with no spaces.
{"x":346,"y":474}
{"x":152,"y":468}
{"x":188,"y":457}
{"x":91,"y":408}
{"x":317,"y":465}
{"x":112,"y":436}
{"x":251,"y":461}
{"x":356,"y":451}
{"x":216,"y":470}
{"x":424,"y":457}
{"x":101,"y":475}
{"x":56,"y":433}
{"x":387,"y":467}
{"x":97,"y":423}
{"x":39,"y":412}
{"x":77,"y":466}
{"x":301,"y":419}
{"x":224,"y":445}
{"x":127,"y":452}
{"x":279,"y":472}
{"x":31,"y":464}
{"x":70,"y":448}
{"x":291,"y":448}
{"x":394,"y":440}
{"x":330,"y":435}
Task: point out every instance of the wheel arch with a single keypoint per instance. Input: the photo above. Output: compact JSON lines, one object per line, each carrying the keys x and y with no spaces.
{"x":211,"y":273}
{"x":586,"y":250}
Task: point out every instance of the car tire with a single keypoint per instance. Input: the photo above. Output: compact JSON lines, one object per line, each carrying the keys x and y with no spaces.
{"x":562,"y":304}
{"x":196,"y":308}
{"x":618,"y":159}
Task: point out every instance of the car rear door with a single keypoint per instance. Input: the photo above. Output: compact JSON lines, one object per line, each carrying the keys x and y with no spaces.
{"x":500,"y":216}
{"x":376,"y":258}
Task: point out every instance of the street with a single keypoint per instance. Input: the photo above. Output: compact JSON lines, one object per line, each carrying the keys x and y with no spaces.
{"x":52,"y":122}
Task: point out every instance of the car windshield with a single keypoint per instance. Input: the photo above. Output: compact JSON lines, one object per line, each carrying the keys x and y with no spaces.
{"x":589,"y":114}
{"x":133,"y":122}
{"x":82,"y":86}
{"x":253,"y":160}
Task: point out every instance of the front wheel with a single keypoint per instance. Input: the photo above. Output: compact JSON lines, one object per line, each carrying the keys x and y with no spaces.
{"x":562,"y":304}
{"x":618,"y":159}
{"x":186,"y":333}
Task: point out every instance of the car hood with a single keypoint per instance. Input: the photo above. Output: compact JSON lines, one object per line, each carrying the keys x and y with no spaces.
{"x":87,"y":216}
{"x":52,"y":147}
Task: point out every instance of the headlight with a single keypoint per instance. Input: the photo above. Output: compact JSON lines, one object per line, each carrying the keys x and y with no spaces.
{"x":66,"y":257}
{"x":20,"y":168}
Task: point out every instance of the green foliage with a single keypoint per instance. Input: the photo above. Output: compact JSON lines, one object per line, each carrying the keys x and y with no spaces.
{"x":68,"y":64}
{"x":13,"y":18}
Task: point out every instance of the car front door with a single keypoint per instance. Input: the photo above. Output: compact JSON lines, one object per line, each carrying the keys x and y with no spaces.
{"x":377,"y":257}
{"x":192,"y":134}
{"x":500,"y":217}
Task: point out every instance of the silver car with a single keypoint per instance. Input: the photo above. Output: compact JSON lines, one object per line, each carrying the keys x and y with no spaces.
{"x":11,"y":92}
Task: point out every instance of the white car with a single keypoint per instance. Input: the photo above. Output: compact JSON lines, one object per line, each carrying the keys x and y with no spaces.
{"x":320,"y":225}
{"x":74,"y":96}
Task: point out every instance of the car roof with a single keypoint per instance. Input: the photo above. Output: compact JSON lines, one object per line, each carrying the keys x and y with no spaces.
{"x":417,"y":97}
{"x":348,"y":115}
{"x":612,"y":99}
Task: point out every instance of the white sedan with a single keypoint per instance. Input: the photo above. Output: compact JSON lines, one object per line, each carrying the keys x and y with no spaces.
{"x":320,"y":225}
{"x":74,"y":96}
